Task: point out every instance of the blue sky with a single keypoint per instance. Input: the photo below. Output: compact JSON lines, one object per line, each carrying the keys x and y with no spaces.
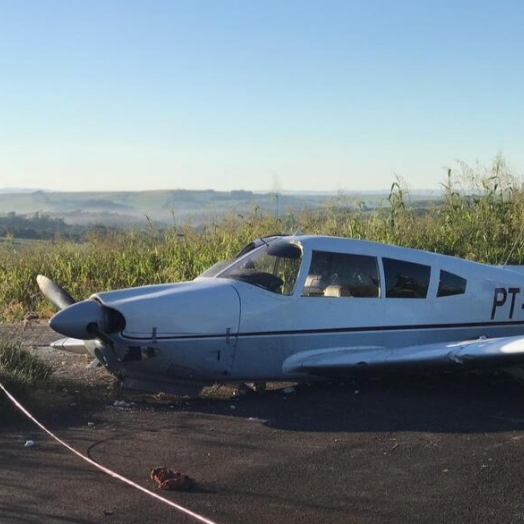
{"x":261,"y":95}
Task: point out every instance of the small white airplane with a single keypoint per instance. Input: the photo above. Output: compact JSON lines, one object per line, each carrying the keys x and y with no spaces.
{"x":301,"y":308}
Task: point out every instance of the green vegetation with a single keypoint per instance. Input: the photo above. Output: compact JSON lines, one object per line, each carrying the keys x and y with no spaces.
{"x":20,"y":364}
{"x":37,"y":227}
{"x":20,"y":373}
{"x":481,"y":217}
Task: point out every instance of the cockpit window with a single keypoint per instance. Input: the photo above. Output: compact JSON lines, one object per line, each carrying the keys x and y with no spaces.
{"x":257,"y":243}
{"x":215,"y":269}
{"x":406,"y":279}
{"x":272,"y":267}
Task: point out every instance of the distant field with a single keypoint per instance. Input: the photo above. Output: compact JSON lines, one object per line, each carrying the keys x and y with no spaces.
{"x":134,"y":209}
{"x":18,"y":242}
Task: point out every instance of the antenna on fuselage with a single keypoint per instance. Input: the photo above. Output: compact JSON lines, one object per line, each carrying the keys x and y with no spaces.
{"x":519,"y":238}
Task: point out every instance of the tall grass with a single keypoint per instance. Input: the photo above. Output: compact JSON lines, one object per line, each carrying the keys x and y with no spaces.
{"x":480,"y":217}
{"x":20,"y":372}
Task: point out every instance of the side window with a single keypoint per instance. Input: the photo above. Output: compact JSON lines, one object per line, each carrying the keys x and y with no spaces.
{"x":406,"y":279}
{"x":451,"y":284}
{"x":342,"y":275}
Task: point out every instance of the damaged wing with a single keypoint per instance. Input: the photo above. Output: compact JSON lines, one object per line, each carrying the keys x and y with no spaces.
{"x":492,"y":352}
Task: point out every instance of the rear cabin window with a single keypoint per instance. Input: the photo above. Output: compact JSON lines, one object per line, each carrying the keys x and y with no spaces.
{"x":342,"y":275}
{"x":406,"y":279}
{"x":450,"y":284}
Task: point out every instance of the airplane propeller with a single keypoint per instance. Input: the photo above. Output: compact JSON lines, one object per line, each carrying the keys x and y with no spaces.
{"x":54,"y":293}
{"x":85,"y":320}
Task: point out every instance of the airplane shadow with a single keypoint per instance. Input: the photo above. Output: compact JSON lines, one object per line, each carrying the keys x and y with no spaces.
{"x":455,"y":403}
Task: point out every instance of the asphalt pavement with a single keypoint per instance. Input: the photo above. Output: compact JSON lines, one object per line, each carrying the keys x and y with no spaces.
{"x":402,"y":449}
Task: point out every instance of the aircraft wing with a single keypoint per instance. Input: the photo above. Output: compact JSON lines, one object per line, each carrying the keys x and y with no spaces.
{"x":492,"y":352}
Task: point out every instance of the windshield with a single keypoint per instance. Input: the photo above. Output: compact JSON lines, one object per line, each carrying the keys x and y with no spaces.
{"x":273,"y":267}
{"x":214,"y":270}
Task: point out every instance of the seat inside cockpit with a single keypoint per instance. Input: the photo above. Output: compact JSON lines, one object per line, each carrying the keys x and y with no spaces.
{"x":342,"y":275}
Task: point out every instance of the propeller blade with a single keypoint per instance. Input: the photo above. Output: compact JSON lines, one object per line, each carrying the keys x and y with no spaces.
{"x":53,"y":292}
{"x":98,"y":333}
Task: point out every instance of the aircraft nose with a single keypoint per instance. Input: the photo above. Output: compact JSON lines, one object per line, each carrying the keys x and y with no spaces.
{"x":75,"y":321}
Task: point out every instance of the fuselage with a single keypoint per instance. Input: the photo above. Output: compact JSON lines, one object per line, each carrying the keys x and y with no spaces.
{"x":240,"y":325}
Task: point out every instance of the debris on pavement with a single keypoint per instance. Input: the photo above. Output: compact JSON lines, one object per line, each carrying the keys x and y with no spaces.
{"x":168,"y":479}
